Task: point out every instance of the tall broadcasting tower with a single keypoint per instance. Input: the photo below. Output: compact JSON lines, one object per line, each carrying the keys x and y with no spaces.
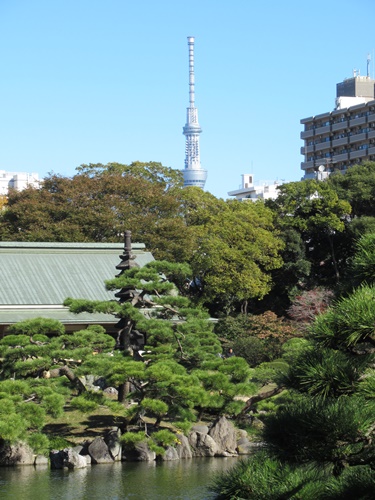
{"x":194,"y":175}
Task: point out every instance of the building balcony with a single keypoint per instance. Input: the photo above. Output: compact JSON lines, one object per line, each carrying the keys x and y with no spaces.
{"x":307,"y":134}
{"x":360,"y":153}
{"x":323,"y":146}
{"x":340,"y":142}
{"x":339,"y":126}
{"x":371,"y":134}
{"x":307,"y":149}
{"x":354,"y":122}
{"x":307,"y":165}
{"x":357,"y":138}
{"x":371,"y":118}
{"x":340,"y":157}
{"x":371,"y":151}
{"x":326,"y":129}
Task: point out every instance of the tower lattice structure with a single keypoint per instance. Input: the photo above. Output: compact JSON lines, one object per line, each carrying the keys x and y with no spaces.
{"x":193,"y":173}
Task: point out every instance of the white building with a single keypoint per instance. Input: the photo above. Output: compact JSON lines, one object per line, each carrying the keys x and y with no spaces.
{"x":17,"y":180}
{"x":262,"y":191}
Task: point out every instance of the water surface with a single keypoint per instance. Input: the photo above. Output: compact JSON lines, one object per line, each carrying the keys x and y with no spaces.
{"x":180,"y":480}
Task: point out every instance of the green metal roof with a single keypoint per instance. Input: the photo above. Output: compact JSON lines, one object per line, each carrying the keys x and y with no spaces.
{"x":37,"y":276}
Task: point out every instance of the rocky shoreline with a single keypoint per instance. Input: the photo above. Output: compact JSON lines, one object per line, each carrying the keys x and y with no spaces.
{"x":220,"y":439}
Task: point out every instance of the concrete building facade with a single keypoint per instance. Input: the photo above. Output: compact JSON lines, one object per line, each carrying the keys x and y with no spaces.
{"x":17,"y":180}
{"x":253,"y":192}
{"x":338,"y":139}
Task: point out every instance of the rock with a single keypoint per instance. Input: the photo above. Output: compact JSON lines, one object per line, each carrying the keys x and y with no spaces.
{"x":224,"y":434}
{"x":183,"y":447}
{"x":93,"y":382}
{"x":170,"y":454}
{"x":202,"y":445}
{"x":244,"y":446}
{"x":57,"y":459}
{"x":140,"y":453}
{"x":203,"y":429}
{"x":41,"y":460}
{"x":111,"y":390}
{"x":112,"y":440}
{"x":99,"y":452}
{"x":16,"y":454}
{"x":257,"y":424}
{"x":67,"y":458}
{"x":72,"y":460}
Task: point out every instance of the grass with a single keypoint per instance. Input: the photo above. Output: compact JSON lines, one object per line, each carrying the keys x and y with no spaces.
{"x":77,"y":427}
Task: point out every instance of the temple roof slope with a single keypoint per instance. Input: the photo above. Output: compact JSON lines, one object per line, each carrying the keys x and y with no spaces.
{"x":36,"y":278}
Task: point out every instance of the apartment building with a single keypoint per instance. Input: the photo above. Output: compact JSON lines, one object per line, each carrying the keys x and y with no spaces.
{"x":262,"y":191}
{"x":17,"y":180}
{"x":336,"y":140}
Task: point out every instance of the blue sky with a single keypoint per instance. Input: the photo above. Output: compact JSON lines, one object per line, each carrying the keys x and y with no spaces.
{"x":89,"y":81}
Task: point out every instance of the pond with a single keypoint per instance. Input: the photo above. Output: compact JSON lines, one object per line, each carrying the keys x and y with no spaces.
{"x":180,"y":479}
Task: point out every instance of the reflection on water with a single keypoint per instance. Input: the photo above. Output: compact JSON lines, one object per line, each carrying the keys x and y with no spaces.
{"x":181,"y":479}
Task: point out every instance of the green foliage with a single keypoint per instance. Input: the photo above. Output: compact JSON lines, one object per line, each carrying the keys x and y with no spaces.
{"x":256,"y":350}
{"x":298,"y":430}
{"x":164,"y":438}
{"x":41,"y":326}
{"x":324,"y":373}
{"x":58,"y":443}
{"x":257,"y":338}
{"x":236,"y":368}
{"x":15,"y":340}
{"x":13,"y":387}
{"x":314,"y":209}
{"x":349,"y":322}
{"x":311,"y":205}
{"x":39,"y":443}
{"x":183,"y":425}
{"x":357,"y":483}
{"x":12,"y":425}
{"x":98,"y":202}
{"x":235,"y":249}
{"x":154,"y":406}
{"x":295,"y":347}
{"x":130,"y":439}
{"x":363,"y":263}
{"x":32,"y":415}
{"x":87,"y":402}
{"x":264,"y":478}
{"x":357,"y":186}
{"x":54,"y":404}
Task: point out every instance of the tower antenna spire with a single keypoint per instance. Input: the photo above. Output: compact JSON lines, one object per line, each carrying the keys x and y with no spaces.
{"x":368,"y":64}
{"x":193,"y":173}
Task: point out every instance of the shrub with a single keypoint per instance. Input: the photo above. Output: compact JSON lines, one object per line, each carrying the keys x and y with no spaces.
{"x":309,"y":304}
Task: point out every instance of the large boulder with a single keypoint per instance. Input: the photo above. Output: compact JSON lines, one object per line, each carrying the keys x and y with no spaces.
{"x":112,"y":440}
{"x":170,"y":454}
{"x":99,"y":452}
{"x":16,"y":454}
{"x":140,"y":453}
{"x":67,"y":458}
{"x":41,"y":460}
{"x":93,"y":382}
{"x":183,"y":447}
{"x":57,"y":459}
{"x":73,"y":460}
{"x":203,"y":429}
{"x":224,"y":434}
{"x":202,"y":445}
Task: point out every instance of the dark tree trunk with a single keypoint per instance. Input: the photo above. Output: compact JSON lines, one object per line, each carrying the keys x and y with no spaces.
{"x":123,"y":391}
